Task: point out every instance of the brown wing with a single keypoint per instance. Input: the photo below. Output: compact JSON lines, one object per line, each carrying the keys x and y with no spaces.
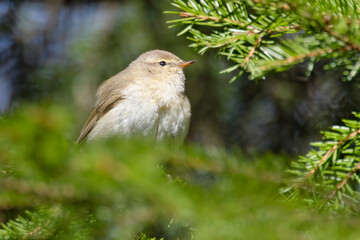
{"x":96,"y":115}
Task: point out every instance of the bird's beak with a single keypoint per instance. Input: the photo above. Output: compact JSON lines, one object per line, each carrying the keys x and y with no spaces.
{"x":186,"y":63}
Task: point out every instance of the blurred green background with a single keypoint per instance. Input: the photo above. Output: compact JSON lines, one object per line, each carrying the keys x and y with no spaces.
{"x":60,"y":51}
{"x":120,"y":189}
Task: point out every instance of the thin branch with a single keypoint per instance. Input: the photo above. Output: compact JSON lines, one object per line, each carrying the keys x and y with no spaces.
{"x":251,"y":29}
{"x":252,"y":51}
{"x":297,"y":58}
{"x":227,"y":40}
{"x":284,"y":6}
{"x":327,"y":21}
{"x":187,"y":14}
{"x":344,"y":181}
{"x":343,"y":39}
{"x":38,"y":189}
{"x":331,"y":151}
{"x":36,"y":230}
{"x":32,"y":233}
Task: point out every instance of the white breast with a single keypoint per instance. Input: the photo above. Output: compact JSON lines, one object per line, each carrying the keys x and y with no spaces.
{"x":142,"y":113}
{"x":174,"y":120}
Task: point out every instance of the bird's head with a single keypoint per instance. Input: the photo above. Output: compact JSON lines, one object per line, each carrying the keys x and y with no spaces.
{"x":161,"y":63}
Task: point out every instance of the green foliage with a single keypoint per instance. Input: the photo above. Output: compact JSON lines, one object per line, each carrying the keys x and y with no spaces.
{"x":47,"y":223}
{"x":121,"y":189}
{"x":263,"y":36}
{"x":329,"y":175}
{"x":143,"y":237}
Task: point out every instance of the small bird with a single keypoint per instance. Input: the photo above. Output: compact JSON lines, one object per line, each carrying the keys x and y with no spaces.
{"x":146,"y":100}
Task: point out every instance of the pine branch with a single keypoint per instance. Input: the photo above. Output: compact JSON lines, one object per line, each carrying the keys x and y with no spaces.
{"x":295,"y":59}
{"x":233,"y":26}
{"x":350,"y":45}
{"x":331,"y":151}
{"x":251,"y":30}
{"x":251,"y":52}
{"x":216,"y":19}
{"x":47,"y":223}
{"x":35,"y":225}
{"x":325,"y":172}
{"x":345,"y":180}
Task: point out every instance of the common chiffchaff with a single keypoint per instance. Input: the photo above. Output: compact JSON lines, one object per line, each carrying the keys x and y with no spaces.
{"x":146,"y":99}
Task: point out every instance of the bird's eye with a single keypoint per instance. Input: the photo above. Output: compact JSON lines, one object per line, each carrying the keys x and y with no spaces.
{"x":162,"y":63}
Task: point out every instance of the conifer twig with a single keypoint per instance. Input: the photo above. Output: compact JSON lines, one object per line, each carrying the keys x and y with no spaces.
{"x":32,"y":233}
{"x":344,"y":181}
{"x":285,"y":6}
{"x":330,"y":151}
{"x":345,"y":40}
{"x":216,"y":19}
{"x":251,"y":29}
{"x":303,"y":56}
{"x":251,"y":53}
{"x":297,"y":58}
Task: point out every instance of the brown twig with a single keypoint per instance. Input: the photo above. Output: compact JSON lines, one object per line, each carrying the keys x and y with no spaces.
{"x":343,"y":39}
{"x":31,"y":234}
{"x":344,"y":181}
{"x":251,"y":53}
{"x":251,"y":29}
{"x":330,"y":151}
{"x":39,"y":189}
{"x":36,"y":230}
{"x":297,"y":58}
{"x":327,"y":21}
{"x":187,"y":14}
{"x":284,"y":6}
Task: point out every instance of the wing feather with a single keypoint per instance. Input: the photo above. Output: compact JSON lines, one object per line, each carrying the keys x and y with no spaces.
{"x":96,"y":115}
{"x":109,"y":94}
